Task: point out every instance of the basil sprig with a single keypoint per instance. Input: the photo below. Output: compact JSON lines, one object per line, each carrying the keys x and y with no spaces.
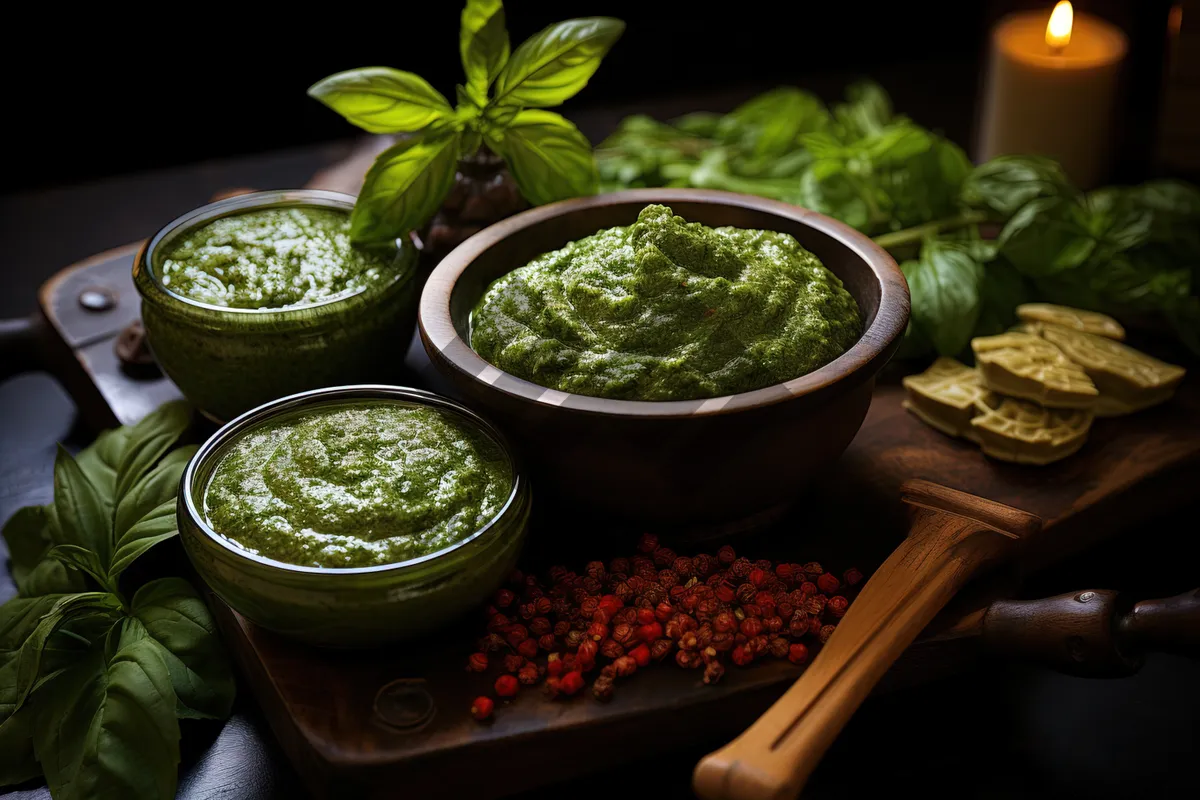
{"x":95,"y":674}
{"x":499,"y":104}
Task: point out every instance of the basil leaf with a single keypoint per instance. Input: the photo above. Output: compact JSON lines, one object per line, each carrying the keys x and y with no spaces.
{"x":99,"y":461}
{"x":177,"y":619}
{"x":483,"y":45}
{"x":81,"y":559}
{"x":158,"y":525}
{"x":827,"y":187}
{"x":548,"y":157}
{"x":25,"y":535}
{"x":1046,"y":236}
{"x":18,"y":762}
{"x":1006,"y":183}
{"x":1001,"y":291}
{"x":867,"y":111}
{"x":82,"y":517}
{"x":65,"y":610}
{"x":769,"y":124}
{"x":404,"y":187}
{"x":148,"y":441}
{"x":51,"y":576}
{"x":944,"y":285}
{"x":382,"y":99}
{"x":554,"y":64}
{"x":158,"y":486}
{"x":106,"y":728}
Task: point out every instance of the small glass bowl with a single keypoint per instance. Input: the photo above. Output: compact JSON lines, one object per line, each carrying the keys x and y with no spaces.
{"x":354,"y":607}
{"x":230,"y":360}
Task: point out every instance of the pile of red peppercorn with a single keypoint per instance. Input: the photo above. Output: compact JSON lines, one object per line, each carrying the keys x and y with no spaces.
{"x":656,"y":604}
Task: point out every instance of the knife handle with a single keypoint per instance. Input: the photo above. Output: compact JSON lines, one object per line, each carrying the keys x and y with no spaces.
{"x":1095,"y":633}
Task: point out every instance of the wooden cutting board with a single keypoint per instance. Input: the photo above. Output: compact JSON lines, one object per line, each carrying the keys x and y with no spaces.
{"x":363,"y":724}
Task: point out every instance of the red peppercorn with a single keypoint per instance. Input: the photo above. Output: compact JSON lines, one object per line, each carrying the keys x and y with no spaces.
{"x":625,"y":666}
{"x":725,"y":593}
{"x":515,"y":634}
{"x":528,"y":648}
{"x":498,"y":622}
{"x":507,"y":686}
{"x":852,"y":577}
{"x":784,"y":572}
{"x":837,"y":605}
{"x":713,"y":672}
{"x":751,"y":627}
{"x":573,"y":639}
{"x":627,"y":616}
{"x":504,"y":599}
{"x":570,"y":683}
{"x":741,"y":656}
{"x":650,"y":632}
{"x":722,"y":642}
{"x":547,"y":642}
{"x":764,"y":600}
{"x":785,"y":609}
{"x":645,"y":616}
{"x":611,"y":648}
{"x":689,"y":659}
{"x":724,"y":622}
{"x":663,"y":612}
{"x":757,"y":576}
{"x":481,"y":708}
{"x":602,"y":688}
{"x":585,"y":657}
{"x":798,"y":624}
{"x":648,"y":543}
{"x":825,"y":632}
{"x":551,"y":686}
{"x":618,"y":566}
{"x":478,"y":662}
{"x":689,"y":641}
{"x":814,"y":625}
{"x":641,"y":654}
{"x":594,"y":569}
{"x":661,"y":648}
{"x":808,"y":589}
{"x":813,"y":569}
{"x":704,"y":564}
{"x":815,"y":604}
{"x":664,"y":557}
{"x":540,"y":626}
{"x":778,"y":647}
{"x":726,"y":555}
{"x":624,"y":634}
{"x":543,"y":606}
{"x":797,"y":653}
{"x":773,"y":624}
{"x":828,"y":583}
{"x":746,"y":593}
{"x":597,"y":632}
{"x":554,"y":665}
{"x":589,"y":606}
{"x":528,"y":674}
{"x":527,"y":610}
{"x":684,"y":567}
{"x":513,"y":662}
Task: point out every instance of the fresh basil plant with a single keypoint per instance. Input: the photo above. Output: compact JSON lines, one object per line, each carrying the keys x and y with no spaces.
{"x":500,"y":104}
{"x":95,"y":674}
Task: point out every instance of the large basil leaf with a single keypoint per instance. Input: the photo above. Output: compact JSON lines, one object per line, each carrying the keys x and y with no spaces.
{"x":867,"y":110}
{"x":66,"y":610}
{"x":1006,"y":183}
{"x":82,"y":559}
{"x":156,"y":526}
{"x":1047,"y":236}
{"x":548,"y":157}
{"x":944,"y":284}
{"x":25,"y":535}
{"x":179,"y":621}
{"x":405,"y":187}
{"x":51,"y":576}
{"x":483,"y":45}
{"x":828,"y":187}
{"x":147,"y":442}
{"x":82,"y":517}
{"x":100,"y":459}
{"x":18,"y":763}
{"x":157,"y":487}
{"x":1001,"y":291}
{"x":382,"y":99}
{"x":554,"y":64}
{"x":106,"y":729}
{"x":18,"y":619}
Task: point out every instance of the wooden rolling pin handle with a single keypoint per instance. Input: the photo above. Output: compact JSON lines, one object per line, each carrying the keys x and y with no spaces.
{"x":1094,"y":633}
{"x":952,"y":537}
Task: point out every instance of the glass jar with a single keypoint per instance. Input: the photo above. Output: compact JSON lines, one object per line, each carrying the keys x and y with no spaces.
{"x":351,"y":607}
{"x":229,"y":360}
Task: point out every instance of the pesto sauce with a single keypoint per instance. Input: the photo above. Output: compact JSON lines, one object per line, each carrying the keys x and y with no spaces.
{"x":357,"y":486}
{"x":666,"y":310}
{"x":271,"y":258}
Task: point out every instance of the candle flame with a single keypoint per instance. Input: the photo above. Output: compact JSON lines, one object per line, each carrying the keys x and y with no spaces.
{"x":1058,"y":30}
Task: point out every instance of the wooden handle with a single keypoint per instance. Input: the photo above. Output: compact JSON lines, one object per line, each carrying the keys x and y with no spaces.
{"x":953,"y":535}
{"x":1094,"y":633}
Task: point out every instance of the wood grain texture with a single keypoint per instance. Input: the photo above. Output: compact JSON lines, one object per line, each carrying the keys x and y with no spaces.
{"x":953,"y":536}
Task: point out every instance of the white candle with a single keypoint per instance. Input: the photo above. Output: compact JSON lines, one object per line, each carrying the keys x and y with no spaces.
{"x":1051,"y":90}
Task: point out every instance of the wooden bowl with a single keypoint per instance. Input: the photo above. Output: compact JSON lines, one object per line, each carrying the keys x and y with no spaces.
{"x":690,"y":462}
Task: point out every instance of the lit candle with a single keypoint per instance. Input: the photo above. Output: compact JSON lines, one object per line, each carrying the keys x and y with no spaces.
{"x":1051,"y":90}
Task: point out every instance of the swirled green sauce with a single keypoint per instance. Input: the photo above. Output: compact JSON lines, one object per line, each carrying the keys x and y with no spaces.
{"x":270,"y":259}
{"x":666,"y":310}
{"x":357,"y":486}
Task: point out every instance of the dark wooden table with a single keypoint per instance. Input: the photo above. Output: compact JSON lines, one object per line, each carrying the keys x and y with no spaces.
{"x":1001,"y":731}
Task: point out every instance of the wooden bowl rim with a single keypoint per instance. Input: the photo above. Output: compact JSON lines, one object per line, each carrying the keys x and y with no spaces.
{"x":867,"y":355}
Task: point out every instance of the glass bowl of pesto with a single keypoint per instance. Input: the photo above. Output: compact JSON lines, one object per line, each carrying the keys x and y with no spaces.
{"x":262,"y":295}
{"x":656,"y":369}
{"x":354,"y":516}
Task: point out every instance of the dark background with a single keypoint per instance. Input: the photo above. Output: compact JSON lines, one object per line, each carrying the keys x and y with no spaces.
{"x":107,"y":95}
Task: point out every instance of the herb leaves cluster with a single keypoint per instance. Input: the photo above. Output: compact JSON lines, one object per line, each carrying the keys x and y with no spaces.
{"x":501,"y":105}
{"x":1129,"y":251}
{"x":95,"y":674}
